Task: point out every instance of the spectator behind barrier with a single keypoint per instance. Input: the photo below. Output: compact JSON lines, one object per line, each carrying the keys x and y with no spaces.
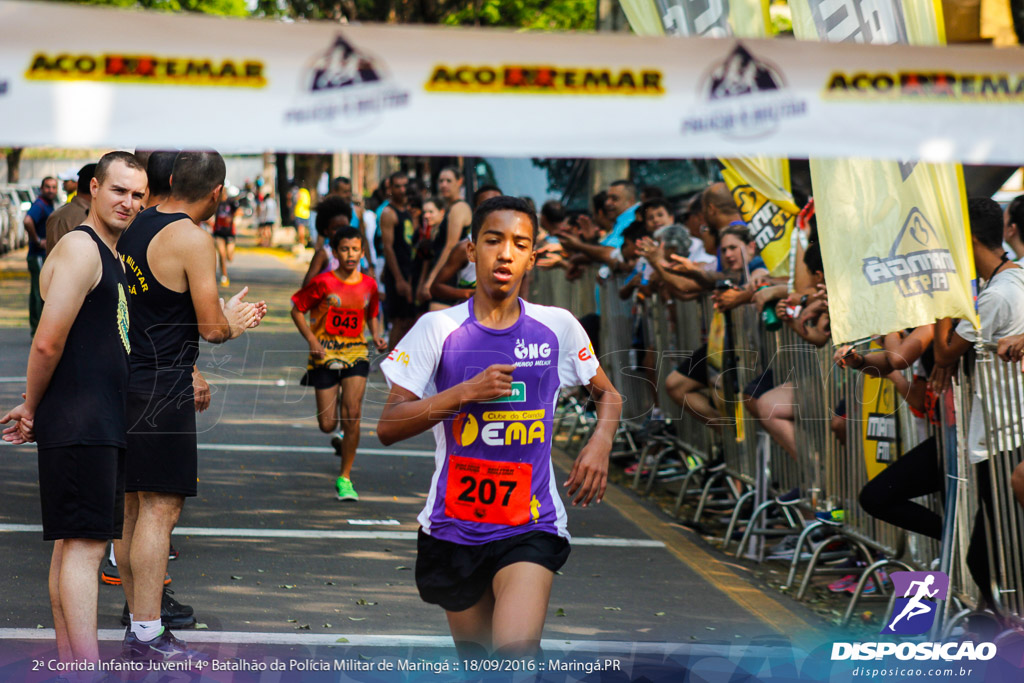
{"x":1002,"y":318}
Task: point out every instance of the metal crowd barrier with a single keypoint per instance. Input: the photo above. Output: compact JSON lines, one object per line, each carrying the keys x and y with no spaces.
{"x":1001,"y":394}
{"x":828,"y":475}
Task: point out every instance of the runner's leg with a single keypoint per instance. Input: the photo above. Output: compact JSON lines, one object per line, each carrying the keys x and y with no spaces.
{"x":471,"y":628}
{"x":222,"y":255}
{"x":151,"y":541}
{"x":79,"y":562}
{"x":59,"y":625}
{"x":521,"y":594}
{"x":327,"y":409}
{"x":352,"y":391}
{"x":122,"y":548}
{"x":230,"y":247}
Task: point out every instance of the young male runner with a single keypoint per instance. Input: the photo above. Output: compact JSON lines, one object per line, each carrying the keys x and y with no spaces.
{"x":75,"y":399}
{"x":172,"y":282}
{"x":485,"y":375}
{"x":342,"y":302}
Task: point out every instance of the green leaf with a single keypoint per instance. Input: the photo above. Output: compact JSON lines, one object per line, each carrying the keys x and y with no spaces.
{"x":559,"y":612}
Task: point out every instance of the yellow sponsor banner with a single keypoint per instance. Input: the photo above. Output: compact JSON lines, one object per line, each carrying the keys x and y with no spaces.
{"x":543,"y":80}
{"x":643,"y":16}
{"x":749,"y":18}
{"x":879,"y":430}
{"x":149,"y":69}
{"x":893,"y":234}
{"x":770,"y":224}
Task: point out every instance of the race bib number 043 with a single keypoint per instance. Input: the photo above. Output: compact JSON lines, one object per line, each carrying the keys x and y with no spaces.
{"x":347,"y":322}
{"x":488,"y":491}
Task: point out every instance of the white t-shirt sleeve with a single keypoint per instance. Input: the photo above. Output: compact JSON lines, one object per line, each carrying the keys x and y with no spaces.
{"x":577,"y":363}
{"x":413,"y":362}
{"x":995,"y":313}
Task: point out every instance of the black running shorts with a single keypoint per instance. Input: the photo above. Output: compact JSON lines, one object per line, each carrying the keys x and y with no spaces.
{"x":162,"y":454}
{"x":456,"y":576}
{"x":81,"y":490}
{"x":225,"y":235}
{"x":696,"y":366}
{"x":325,"y":378}
{"x":760,"y":385}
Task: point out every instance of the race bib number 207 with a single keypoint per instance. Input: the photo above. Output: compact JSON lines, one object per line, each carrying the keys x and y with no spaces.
{"x":488,"y":491}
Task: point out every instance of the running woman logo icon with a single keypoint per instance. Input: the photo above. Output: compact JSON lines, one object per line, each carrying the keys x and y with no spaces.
{"x":917,"y":600}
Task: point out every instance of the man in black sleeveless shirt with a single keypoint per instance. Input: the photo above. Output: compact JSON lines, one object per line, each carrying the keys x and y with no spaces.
{"x":396,"y":233}
{"x":75,"y":400}
{"x":171,"y":265}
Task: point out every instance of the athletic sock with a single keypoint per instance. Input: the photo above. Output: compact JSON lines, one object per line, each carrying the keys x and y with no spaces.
{"x":113,"y":560}
{"x":147,"y":630}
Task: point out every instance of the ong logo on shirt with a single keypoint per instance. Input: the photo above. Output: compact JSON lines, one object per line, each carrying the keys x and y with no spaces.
{"x":524,"y":351}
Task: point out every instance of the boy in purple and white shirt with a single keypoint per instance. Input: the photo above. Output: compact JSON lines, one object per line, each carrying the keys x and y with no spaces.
{"x":485,"y":377}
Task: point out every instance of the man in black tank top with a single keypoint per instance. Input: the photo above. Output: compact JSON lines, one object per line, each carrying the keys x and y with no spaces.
{"x":171,"y":265}
{"x":396,"y":232}
{"x":75,"y":400}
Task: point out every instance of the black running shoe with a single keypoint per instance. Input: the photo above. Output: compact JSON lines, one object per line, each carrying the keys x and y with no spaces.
{"x":164,"y":648}
{"x":173,"y":614}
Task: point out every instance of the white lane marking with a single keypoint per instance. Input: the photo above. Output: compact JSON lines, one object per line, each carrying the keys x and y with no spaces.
{"x":374,"y":522}
{"x":396,"y":640}
{"x":346,"y":534}
{"x":264,"y":448}
{"x":280,"y":382}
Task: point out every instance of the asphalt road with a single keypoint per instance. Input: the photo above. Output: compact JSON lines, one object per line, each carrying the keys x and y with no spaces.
{"x":276,"y":567}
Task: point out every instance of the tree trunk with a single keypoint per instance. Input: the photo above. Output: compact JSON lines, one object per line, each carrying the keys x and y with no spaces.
{"x":14,"y":164}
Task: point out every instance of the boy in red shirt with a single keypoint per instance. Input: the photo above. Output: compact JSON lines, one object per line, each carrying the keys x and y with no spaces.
{"x":341,"y":303}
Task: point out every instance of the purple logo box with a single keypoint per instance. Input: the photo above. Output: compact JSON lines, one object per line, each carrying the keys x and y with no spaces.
{"x":917,"y":601}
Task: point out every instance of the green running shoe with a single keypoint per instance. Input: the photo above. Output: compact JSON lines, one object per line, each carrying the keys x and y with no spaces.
{"x":345,"y":489}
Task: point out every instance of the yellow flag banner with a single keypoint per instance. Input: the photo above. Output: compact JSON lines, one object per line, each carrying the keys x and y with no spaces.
{"x":760,"y":185}
{"x":771,"y":217}
{"x":893,"y":234}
